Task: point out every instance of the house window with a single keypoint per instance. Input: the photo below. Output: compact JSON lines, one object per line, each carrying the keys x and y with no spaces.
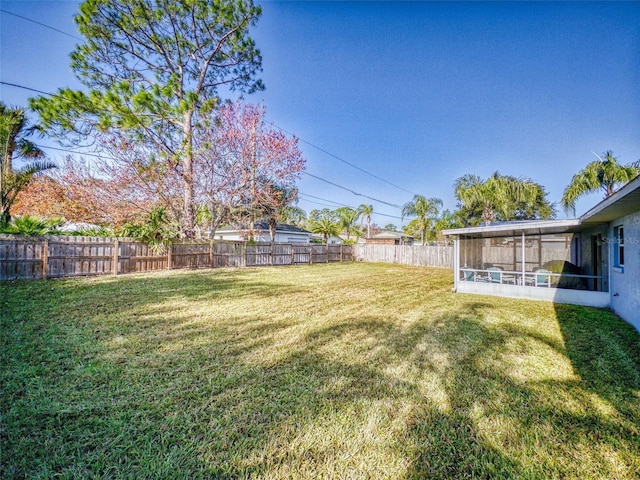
{"x":618,"y":250}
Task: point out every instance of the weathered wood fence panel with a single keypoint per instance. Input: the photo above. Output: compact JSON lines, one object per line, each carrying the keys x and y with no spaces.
{"x":227,"y":254}
{"x":21,"y":258}
{"x":73,"y":256}
{"x":413,"y":255}
{"x":135,"y":257}
{"x":52,"y":257}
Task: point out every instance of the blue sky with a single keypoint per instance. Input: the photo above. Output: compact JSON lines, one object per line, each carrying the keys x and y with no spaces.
{"x":416,"y":93}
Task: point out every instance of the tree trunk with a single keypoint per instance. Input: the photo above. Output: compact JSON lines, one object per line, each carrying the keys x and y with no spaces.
{"x":188,"y":208}
{"x":5,"y":218}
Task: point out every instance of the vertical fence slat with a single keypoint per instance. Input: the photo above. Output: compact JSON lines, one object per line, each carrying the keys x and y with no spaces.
{"x":413,"y":255}
{"x":116,"y":255}
{"x":45,"y":259}
{"x":50,"y":257}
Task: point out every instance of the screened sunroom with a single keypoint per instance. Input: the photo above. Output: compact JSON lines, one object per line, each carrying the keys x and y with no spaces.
{"x":559,"y":260}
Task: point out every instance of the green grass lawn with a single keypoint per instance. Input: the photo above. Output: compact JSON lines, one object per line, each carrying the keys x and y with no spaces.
{"x":332,"y":371}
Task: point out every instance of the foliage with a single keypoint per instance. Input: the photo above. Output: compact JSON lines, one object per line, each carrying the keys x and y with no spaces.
{"x":390,"y":227}
{"x":365,"y":215}
{"x":354,"y":370}
{"x":154,"y":69}
{"x":604,"y":174}
{"x":501,"y":197}
{"x":14,"y":145}
{"x":33,"y":226}
{"x":347,"y":217}
{"x":426,"y":211}
{"x":97,"y":231}
{"x":279,"y":198}
{"x":245,"y":170}
{"x":447,"y":220}
{"x":324,"y":222}
{"x":293,"y":215}
{"x":156,"y":230}
{"x":100,"y":193}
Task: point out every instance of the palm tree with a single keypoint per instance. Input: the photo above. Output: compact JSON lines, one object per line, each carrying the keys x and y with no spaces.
{"x":425,"y":210}
{"x":365,"y":214}
{"x":602,"y":174}
{"x":347,"y":216}
{"x":502,"y":196}
{"x":14,"y":145}
{"x":324,"y":222}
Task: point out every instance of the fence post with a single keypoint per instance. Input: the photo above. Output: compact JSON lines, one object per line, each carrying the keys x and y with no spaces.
{"x":327,"y":256}
{"x":45,"y":258}
{"x":243,"y":250}
{"x":293,"y":254}
{"x":271,"y":253}
{"x":340,"y":253}
{"x":116,"y":252}
{"x":211,"y":253}
{"x":310,"y":253}
{"x":169,"y":250}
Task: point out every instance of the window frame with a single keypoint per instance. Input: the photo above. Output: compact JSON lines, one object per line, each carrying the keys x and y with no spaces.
{"x":618,"y":251}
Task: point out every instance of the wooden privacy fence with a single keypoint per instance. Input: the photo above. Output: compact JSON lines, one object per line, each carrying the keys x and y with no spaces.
{"x":413,"y":255}
{"x":51,"y":257}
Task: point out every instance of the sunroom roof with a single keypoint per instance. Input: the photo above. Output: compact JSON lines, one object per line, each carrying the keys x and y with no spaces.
{"x":529,"y":227}
{"x":623,"y":202}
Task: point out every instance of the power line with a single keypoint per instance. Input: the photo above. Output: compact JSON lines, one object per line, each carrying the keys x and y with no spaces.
{"x":339,"y":204}
{"x":302,"y":194}
{"x":41,"y":24}
{"x":306,"y":173}
{"x":25,"y":88}
{"x":72,"y":151}
{"x":352,"y":191}
{"x":326,"y":152}
{"x":343,"y":160}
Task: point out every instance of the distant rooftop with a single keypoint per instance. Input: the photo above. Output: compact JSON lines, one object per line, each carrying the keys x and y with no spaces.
{"x":264,"y":226}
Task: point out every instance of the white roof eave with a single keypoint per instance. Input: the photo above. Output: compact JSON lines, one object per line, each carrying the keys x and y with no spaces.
{"x":534,"y":227}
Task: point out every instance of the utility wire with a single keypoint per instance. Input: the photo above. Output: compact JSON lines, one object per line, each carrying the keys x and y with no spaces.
{"x":25,"y":88}
{"x":302,"y":194}
{"x":41,"y":24}
{"x":352,"y":191}
{"x":327,"y":200}
{"x":306,"y":173}
{"x":342,"y":160}
{"x":276,"y":126}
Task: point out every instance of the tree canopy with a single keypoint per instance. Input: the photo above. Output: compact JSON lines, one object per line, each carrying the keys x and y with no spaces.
{"x":365,"y":212}
{"x":425,"y":210}
{"x":325,"y":222}
{"x":501,"y":197}
{"x":153,"y":70}
{"x":15,"y":145}
{"x":245,"y":169}
{"x":604,"y":174}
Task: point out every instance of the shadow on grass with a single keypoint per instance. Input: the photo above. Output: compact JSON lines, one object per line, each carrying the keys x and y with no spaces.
{"x":141,"y":390}
{"x":605,"y":352}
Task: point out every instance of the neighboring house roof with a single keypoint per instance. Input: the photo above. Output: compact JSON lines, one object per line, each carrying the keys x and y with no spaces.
{"x":75,"y":226}
{"x":392,"y":235}
{"x":264,"y":226}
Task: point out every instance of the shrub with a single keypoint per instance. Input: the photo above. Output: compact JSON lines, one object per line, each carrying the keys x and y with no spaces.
{"x":33,"y":225}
